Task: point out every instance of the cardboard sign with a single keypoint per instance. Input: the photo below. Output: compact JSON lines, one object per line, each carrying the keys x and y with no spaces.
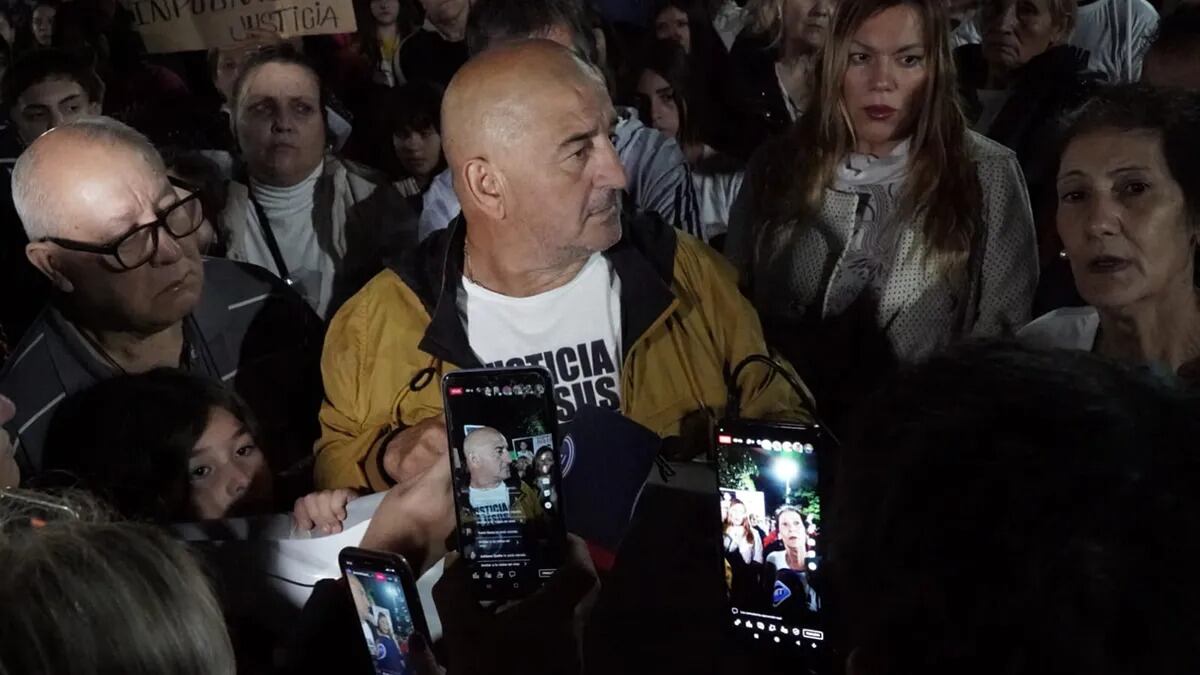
{"x":187,"y":25}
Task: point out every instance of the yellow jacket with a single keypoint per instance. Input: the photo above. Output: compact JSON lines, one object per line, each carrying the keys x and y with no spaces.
{"x":685,"y":325}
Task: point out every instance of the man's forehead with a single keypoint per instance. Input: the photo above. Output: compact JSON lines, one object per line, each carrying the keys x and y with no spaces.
{"x":98,"y":203}
{"x":581,"y":105}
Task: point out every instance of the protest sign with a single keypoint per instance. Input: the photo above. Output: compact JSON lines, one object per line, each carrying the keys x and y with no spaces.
{"x":186,"y":25}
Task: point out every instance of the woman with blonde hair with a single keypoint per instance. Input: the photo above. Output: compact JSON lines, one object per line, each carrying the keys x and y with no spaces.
{"x":740,"y":537}
{"x":773,"y":60}
{"x":881,"y":208}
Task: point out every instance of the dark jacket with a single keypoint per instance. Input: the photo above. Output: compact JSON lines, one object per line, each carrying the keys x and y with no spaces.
{"x":248,"y":331}
{"x":1048,"y":86}
{"x":427,"y":56}
{"x":758,"y":103}
{"x":24,"y":288}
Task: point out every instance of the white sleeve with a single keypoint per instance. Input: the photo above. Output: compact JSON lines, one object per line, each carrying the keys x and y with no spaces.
{"x":1143,"y":22}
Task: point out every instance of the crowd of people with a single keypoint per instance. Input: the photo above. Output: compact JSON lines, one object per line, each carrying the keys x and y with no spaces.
{"x":233,"y":281}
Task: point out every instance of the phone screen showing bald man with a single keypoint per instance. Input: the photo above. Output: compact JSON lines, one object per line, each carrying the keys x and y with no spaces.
{"x":502,"y":424}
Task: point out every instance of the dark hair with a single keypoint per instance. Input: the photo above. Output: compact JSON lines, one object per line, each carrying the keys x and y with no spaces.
{"x":495,"y":21}
{"x":128,"y":439}
{"x":25,"y":41}
{"x":670,"y":62}
{"x":1001,"y":509}
{"x":1174,"y":115}
{"x":368,"y":41}
{"x":706,"y":45}
{"x":281,"y":53}
{"x":415,"y":106}
{"x":1178,"y":33}
{"x":48,"y":64}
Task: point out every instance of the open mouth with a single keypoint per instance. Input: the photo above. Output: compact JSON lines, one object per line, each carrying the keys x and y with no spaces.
{"x":1108,"y":264}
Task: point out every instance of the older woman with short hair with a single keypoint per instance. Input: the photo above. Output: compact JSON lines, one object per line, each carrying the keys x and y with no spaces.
{"x":323,"y":224}
{"x":1018,"y":82}
{"x":1129,"y":217}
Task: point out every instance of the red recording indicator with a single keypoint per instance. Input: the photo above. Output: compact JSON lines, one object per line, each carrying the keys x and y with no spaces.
{"x":380,"y":577}
{"x":456,"y":391}
{"x":725,"y":439}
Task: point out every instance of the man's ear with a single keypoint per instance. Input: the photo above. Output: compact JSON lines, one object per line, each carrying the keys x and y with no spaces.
{"x":47,"y":259}
{"x":485,"y":186}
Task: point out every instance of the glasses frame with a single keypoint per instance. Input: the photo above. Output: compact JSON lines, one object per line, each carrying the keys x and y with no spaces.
{"x":112,"y":248}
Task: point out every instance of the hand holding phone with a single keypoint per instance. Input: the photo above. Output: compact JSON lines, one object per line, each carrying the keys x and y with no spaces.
{"x":388,"y":609}
{"x":415,"y":518}
{"x":540,"y":634}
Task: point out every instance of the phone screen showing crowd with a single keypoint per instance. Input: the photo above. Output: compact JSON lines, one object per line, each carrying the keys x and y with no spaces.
{"x":771,"y":532}
{"x":506,"y":478}
{"x":384,"y":616}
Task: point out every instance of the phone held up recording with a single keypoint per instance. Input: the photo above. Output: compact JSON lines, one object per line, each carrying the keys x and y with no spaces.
{"x":772,"y":537}
{"x":507,"y":484}
{"x":389,"y":609}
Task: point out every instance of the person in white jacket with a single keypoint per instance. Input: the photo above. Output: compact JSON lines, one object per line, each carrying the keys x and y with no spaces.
{"x":322,"y":224}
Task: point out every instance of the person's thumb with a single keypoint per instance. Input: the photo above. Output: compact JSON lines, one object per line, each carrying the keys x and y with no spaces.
{"x":420,"y":657}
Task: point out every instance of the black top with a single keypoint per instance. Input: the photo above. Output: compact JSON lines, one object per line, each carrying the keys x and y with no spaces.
{"x":1045,"y":88}
{"x":757,"y":99}
{"x":429,"y":57}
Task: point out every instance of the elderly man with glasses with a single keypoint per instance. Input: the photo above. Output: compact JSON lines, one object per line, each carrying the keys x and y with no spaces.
{"x":117,"y":238}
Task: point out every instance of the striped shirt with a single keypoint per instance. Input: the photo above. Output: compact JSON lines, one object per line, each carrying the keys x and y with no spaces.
{"x":248,"y":331}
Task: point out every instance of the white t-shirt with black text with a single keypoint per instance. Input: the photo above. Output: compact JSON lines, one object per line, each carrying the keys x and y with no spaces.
{"x":490,"y":505}
{"x":574,"y":331}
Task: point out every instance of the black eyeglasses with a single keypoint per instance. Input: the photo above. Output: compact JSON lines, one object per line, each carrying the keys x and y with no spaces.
{"x":136,"y":247}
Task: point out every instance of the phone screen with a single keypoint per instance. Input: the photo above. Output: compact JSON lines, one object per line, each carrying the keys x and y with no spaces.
{"x":771,"y":531}
{"x":507,"y":489}
{"x":385,"y":615}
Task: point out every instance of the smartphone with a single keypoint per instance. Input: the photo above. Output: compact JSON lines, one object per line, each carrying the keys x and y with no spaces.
{"x":389,"y":609}
{"x":507,"y":483}
{"x":769,"y":481}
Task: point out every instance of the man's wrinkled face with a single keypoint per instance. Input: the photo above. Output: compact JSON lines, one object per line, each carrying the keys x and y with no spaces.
{"x":101,"y":195}
{"x":565,"y":176}
{"x":488,"y":460}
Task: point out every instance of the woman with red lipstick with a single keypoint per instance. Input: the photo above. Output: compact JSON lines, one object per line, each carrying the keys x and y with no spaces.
{"x":883,"y":227}
{"x":1129,"y":217}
